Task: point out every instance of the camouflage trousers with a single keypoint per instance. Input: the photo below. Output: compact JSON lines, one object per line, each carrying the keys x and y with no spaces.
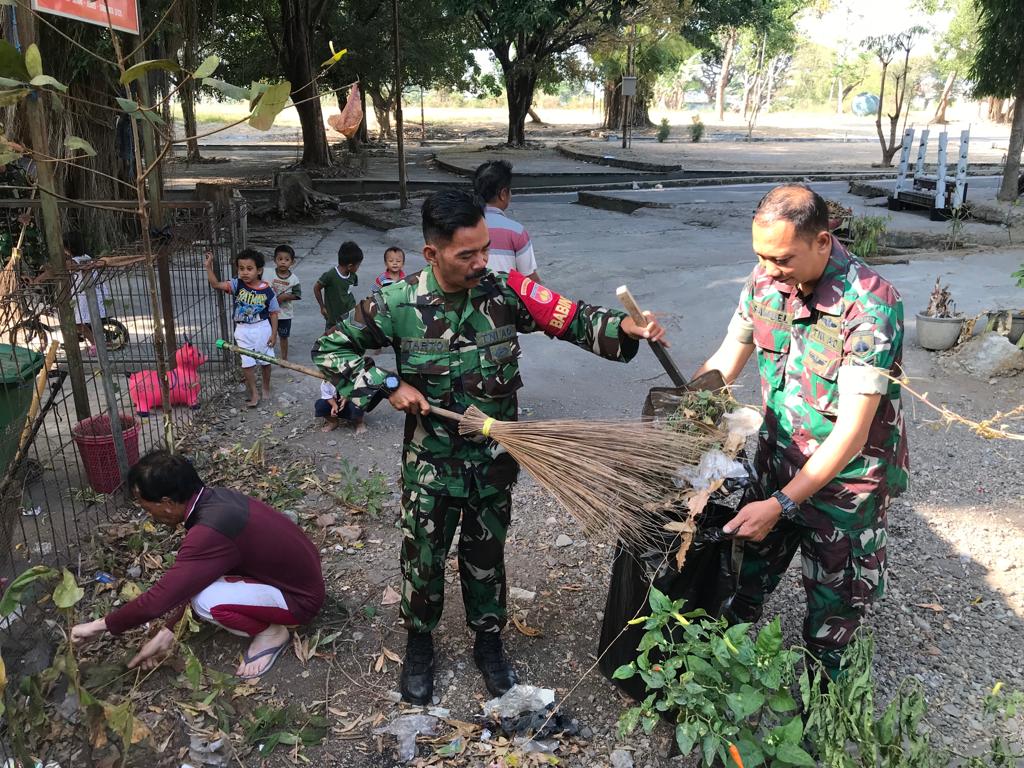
{"x":843,"y":572}
{"x":428,"y":528}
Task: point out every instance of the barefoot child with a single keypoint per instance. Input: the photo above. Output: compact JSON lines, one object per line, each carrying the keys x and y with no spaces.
{"x":255,"y":314}
{"x":330,"y":407}
{"x":242,"y":565}
{"x":394,"y":263}
{"x":286,"y":285}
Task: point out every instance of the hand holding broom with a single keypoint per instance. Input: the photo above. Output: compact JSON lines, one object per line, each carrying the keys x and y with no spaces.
{"x":614,"y":477}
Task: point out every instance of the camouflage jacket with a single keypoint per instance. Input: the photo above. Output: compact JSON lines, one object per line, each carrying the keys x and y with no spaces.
{"x":843,"y":338}
{"x":458,"y":354}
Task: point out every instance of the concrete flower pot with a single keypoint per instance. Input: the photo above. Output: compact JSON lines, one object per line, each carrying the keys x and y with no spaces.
{"x":938,"y":333}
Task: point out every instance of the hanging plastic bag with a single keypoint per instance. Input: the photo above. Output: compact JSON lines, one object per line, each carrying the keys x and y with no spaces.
{"x":347,"y":122}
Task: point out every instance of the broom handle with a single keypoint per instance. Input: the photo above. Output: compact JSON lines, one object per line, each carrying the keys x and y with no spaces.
{"x":316,"y":373}
{"x":659,"y":350}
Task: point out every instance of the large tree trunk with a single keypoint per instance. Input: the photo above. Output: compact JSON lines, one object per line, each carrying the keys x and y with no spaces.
{"x":188,"y":18}
{"x":382,"y":111}
{"x":725,"y":75}
{"x":519,"y":86}
{"x":297,"y":29}
{"x":947,"y":91}
{"x":1008,"y":189}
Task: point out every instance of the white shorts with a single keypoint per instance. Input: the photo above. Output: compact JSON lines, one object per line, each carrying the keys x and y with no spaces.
{"x":254,"y":336}
{"x":227,"y":599}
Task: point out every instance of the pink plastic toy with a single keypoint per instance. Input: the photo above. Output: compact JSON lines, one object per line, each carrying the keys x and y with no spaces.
{"x":144,"y":386}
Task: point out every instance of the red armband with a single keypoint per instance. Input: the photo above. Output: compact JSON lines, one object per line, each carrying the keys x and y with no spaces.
{"x":552,"y":312}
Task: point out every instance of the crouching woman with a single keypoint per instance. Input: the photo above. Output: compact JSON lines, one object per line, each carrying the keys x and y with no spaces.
{"x":242,"y":565}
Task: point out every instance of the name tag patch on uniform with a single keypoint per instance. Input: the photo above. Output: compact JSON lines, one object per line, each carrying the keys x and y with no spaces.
{"x":822,"y":365}
{"x":771,"y":314}
{"x":831,"y":339}
{"x":862,"y":343}
{"x":430,"y":346}
{"x":500,"y":353}
{"x":501,"y":333}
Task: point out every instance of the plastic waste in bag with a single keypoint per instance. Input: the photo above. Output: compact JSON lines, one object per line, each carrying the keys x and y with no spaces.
{"x":714,"y":466}
{"x":347,"y":122}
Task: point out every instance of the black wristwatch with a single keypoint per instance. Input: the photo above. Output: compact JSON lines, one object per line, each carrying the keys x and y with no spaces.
{"x":391,"y":384}
{"x":790,"y":509}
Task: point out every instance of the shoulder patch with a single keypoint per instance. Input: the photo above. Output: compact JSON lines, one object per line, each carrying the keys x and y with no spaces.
{"x":552,"y":312}
{"x":862,"y":343}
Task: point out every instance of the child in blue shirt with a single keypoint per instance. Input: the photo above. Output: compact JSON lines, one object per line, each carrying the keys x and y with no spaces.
{"x":255,"y":314}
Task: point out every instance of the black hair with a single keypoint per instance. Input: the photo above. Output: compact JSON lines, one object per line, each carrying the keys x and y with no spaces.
{"x":160,"y":473}
{"x":285,"y":249}
{"x":253,"y":255}
{"x":74,"y":242}
{"x":394,"y":248}
{"x":798,"y":204}
{"x":349,"y":254}
{"x":449,"y":210}
{"x":491,"y":178}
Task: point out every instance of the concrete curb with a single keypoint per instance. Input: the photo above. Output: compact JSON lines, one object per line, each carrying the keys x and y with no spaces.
{"x":614,"y":162}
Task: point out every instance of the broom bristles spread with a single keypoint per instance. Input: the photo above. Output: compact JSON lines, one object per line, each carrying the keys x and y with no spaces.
{"x":612,"y":476}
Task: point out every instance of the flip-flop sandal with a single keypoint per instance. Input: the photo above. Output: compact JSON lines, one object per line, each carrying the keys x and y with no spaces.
{"x":274,"y":653}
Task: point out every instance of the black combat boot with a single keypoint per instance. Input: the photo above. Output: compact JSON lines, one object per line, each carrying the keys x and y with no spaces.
{"x":417,"y":681}
{"x":490,"y":658}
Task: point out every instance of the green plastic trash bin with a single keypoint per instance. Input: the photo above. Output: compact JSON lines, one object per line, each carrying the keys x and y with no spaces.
{"x":18,"y":369}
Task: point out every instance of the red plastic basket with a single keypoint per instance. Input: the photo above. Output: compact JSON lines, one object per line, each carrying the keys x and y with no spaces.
{"x":95,"y":443}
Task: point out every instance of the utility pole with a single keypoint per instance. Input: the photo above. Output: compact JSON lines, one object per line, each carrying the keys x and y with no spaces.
{"x":50,"y":215}
{"x":403,"y":191}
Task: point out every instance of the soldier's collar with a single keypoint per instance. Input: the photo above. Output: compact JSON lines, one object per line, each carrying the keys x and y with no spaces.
{"x":433,"y":295}
{"x":828,"y":293}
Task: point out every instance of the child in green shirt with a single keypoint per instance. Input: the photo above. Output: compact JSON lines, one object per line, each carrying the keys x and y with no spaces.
{"x":333,"y":289}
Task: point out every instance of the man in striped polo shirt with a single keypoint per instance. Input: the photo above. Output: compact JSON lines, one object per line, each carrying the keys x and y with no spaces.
{"x":510,"y":242}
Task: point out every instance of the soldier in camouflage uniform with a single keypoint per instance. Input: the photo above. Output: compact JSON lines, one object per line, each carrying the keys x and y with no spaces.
{"x":454,"y":328}
{"x":828,"y":332}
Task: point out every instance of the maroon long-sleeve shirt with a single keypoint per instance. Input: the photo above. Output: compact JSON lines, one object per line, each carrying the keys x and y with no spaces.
{"x":229,"y":534}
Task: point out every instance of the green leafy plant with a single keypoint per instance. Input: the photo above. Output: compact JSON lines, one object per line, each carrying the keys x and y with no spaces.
{"x":696,"y":129}
{"x":867,"y":233}
{"x":721,"y":688}
{"x":1019,"y":276}
{"x":268,"y":727}
{"x":732,"y":696}
{"x":955,"y":228}
{"x":664,"y":130}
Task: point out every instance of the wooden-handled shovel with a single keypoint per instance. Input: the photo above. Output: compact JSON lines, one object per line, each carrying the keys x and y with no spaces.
{"x":659,"y":350}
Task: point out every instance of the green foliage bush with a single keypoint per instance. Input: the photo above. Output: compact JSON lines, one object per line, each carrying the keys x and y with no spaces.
{"x":664,"y":130}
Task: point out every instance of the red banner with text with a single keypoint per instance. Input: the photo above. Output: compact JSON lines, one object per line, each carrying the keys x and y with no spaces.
{"x":122,"y":15}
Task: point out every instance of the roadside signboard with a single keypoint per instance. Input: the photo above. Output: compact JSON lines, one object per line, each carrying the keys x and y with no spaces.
{"x":122,"y":15}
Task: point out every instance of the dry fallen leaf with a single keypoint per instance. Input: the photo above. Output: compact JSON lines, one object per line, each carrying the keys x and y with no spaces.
{"x":524,"y":628}
{"x":931,"y":606}
{"x":686,"y":530}
{"x":327,"y":520}
{"x":699,"y":500}
{"x":391,"y":655}
{"x":390,"y":597}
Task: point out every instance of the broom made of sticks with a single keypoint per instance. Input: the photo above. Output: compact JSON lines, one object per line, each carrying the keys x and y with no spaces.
{"x":614,"y":477}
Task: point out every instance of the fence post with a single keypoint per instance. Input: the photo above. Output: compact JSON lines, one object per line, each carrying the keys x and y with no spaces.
{"x":113,"y":406}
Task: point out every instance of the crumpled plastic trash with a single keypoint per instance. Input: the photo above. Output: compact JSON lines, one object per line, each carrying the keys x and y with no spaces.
{"x":205,"y":752}
{"x":622,"y":759}
{"x":526,"y":710}
{"x":743,"y":422}
{"x":405,"y":729}
{"x":520,"y":698}
{"x":546,"y":747}
{"x":714,"y":466}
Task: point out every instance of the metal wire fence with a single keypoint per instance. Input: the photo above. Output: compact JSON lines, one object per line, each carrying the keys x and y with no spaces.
{"x":64,"y":450}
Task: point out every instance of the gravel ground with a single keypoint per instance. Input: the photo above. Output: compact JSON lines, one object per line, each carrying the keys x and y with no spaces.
{"x":952,"y":617}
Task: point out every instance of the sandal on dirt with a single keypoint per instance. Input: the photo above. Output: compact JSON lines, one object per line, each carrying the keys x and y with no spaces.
{"x":274,"y":653}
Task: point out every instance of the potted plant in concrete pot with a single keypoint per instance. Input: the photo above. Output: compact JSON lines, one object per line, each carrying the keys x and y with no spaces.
{"x":939,"y":326}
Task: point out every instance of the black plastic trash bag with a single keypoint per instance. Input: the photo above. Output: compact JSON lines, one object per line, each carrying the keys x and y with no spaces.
{"x":704,"y":582}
